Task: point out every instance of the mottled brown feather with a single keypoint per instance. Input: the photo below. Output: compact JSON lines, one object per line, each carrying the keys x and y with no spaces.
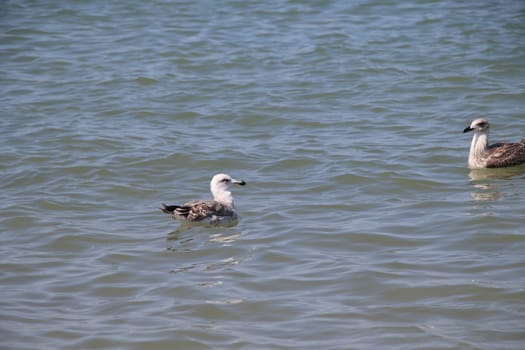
{"x":202,"y":210}
{"x":507,"y":154}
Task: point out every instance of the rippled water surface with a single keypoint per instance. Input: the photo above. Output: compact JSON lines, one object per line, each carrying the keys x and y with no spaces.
{"x":360,"y":225}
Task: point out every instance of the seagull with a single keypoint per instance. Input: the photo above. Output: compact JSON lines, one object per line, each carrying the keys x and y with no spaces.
{"x":498,"y":155}
{"x":219,"y":211}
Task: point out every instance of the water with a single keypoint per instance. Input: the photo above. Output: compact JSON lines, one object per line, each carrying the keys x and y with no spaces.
{"x":360,"y":225}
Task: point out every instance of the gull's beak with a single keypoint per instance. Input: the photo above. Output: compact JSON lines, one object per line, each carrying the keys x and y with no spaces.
{"x":238,"y":182}
{"x":467,"y":129}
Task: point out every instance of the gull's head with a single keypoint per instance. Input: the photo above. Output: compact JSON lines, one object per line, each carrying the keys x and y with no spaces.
{"x":480,"y":125}
{"x":220,"y":184}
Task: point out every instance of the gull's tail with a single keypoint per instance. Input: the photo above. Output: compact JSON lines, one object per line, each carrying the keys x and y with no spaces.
{"x":180,"y":210}
{"x":169,"y":209}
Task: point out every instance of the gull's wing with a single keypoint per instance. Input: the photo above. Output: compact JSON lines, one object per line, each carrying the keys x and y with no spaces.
{"x":507,"y":154}
{"x":201,"y":210}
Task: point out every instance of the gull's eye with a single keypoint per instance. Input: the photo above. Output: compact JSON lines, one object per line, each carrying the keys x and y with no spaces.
{"x":482,"y":124}
{"x":225,"y":180}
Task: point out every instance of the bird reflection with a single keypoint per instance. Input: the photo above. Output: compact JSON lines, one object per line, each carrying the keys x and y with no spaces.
{"x":485,"y":181}
{"x":198,"y":236}
{"x":195,"y":248}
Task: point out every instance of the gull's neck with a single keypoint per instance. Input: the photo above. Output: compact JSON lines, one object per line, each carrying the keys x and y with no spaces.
{"x":478,"y":149}
{"x":223,"y":196}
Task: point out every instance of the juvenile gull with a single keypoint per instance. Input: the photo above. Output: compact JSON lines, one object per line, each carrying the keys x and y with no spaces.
{"x":219,"y":211}
{"x":498,"y":155}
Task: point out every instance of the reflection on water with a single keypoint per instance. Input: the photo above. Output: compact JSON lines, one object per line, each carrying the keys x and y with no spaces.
{"x":192,"y":247}
{"x":496,"y":173}
{"x":485,"y":181}
{"x":185,"y":234}
{"x":225,"y":239}
{"x":486,"y":193}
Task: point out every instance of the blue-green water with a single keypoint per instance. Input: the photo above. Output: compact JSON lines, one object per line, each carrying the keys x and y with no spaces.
{"x":360,"y":225}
